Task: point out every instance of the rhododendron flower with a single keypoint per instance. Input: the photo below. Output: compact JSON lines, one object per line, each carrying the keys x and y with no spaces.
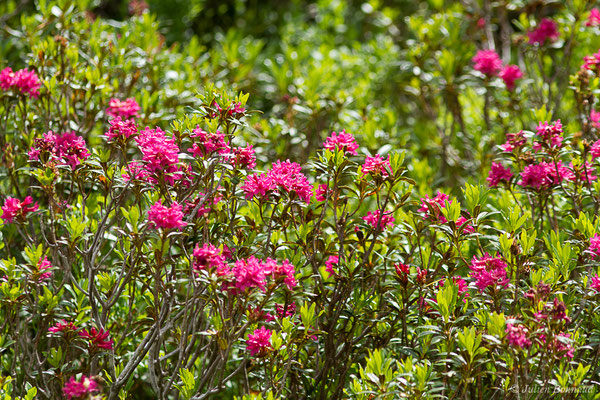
{"x":584,"y":173}
{"x":595,"y":246}
{"x":517,"y":336}
{"x":138,"y":171}
{"x":14,"y":208}
{"x":550,"y":134}
{"x":286,"y":271}
{"x":124,"y":109}
{"x":283,"y":312}
{"x":66,"y":149}
{"x":547,"y":29}
{"x":23,"y":81}
{"x":331,"y":261}
{"x":343,"y":141}
{"x":545,"y":175}
{"x":207,"y":143}
{"x":321,"y":192}
{"x":462,"y":285}
{"x":488,"y":271}
{"x":209,"y":257}
{"x":205,"y":208}
{"x":166,"y":217}
{"x":593,"y":18}
{"x":43,"y":265}
{"x":487,"y":62}
{"x":97,"y":338}
{"x":559,"y":311}
{"x":259,"y":343}
{"x":243,"y":157}
{"x":421,"y":275}
{"x":499,"y":173}
{"x":514,"y":141}
{"x":63,"y":326}
{"x":160,"y":154}
{"x":432,"y":207}
{"x":372,"y":218}
{"x":510,"y":74}
{"x":377,"y":166}
{"x":78,"y":389}
{"x":462,"y":221}
{"x":560,"y":347}
{"x":595,"y":283}
{"x":402,"y":270}
{"x":595,"y":119}
{"x":592,"y":61}
{"x":249,"y":273}
{"x":284,"y":175}
{"x":120,"y":129}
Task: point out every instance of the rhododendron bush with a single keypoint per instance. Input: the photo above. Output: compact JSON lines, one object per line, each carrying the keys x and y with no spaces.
{"x":242,"y":219}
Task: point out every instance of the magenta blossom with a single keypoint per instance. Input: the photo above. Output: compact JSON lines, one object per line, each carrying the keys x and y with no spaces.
{"x":377,"y":166}
{"x":487,"y":62}
{"x":342,"y":141}
{"x":259,"y":343}
{"x":432,"y":207}
{"x":78,"y":389}
{"x":120,"y":129}
{"x":499,"y":173}
{"x":517,"y":336}
{"x":547,"y":29}
{"x":63,"y":326}
{"x":488,"y":271}
{"x":43,"y":267}
{"x":98,"y":339}
{"x":207,"y":143}
{"x":15,"y":209}
{"x":514,"y":141}
{"x":23,"y":81}
{"x":595,"y":283}
{"x":551,"y":135}
{"x":594,"y":18}
{"x":331,"y":261}
{"x":372,"y":218}
{"x":510,"y":74}
{"x":321,"y":192}
{"x":66,"y":149}
{"x":545,"y":175}
{"x":595,"y":246}
{"x":124,"y":109}
{"x":209,"y":257}
{"x":284,"y":176}
{"x":166,"y":217}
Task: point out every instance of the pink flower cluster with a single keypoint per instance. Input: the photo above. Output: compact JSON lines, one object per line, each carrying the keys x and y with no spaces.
{"x":551,"y":135}
{"x":547,"y":29}
{"x":342,"y":141}
{"x":124,"y":109}
{"x":166,"y":217}
{"x":160,"y":155}
{"x":594,"y":248}
{"x":377,"y":166}
{"x":462,"y":285}
{"x":121,"y":129}
{"x":252,"y":273}
{"x":23,"y":81}
{"x":98,"y":339}
{"x":432,"y":207}
{"x":517,"y":336}
{"x":43,"y":267}
{"x":545,"y":175}
{"x":591,"y":62}
{"x":63,"y":326}
{"x":79,"y":388}
{"x":15,"y":209}
{"x":207,"y":143}
{"x":372,"y":218}
{"x":205,"y":208}
{"x":259,"y":342}
{"x":514,"y":141}
{"x":595,"y":283}
{"x":210,"y":258}
{"x":488,"y":271}
{"x":499,"y":173}
{"x":321,"y":191}
{"x":284,"y":175}
{"x":66,"y":149}
{"x":594,"y":18}
{"x":488,"y":62}
{"x":331,"y":261}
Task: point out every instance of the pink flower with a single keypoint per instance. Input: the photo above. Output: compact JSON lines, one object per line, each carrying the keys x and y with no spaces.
{"x":66,"y":149}
{"x":595,"y":246}
{"x":243,"y":157}
{"x":462,"y":221}
{"x":595,"y":118}
{"x":166,"y":217}
{"x":514,"y":141}
{"x":545,"y":175}
{"x":259,"y":343}
{"x":551,"y":135}
{"x":43,"y":265}
{"x":372,"y":218}
{"x":343,"y":141}
{"x":584,"y":173}
{"x":321,"y":192}
{"x":432,"y":207}
{"x":517,"y":336}
{"x":594,"y":18}
{"x":257,"y":185}
{"x":547,"y":29}
{"x":249,"y":273}
{"x":209,"y":257}
{"x":591,"y":62}
{"x":124,"y":109}
{"x":562,"y":348}
{"x":595,"y":150}
{"x":78,"y":389}
{"x":207,"y":143}
{"x":510,"y":74}
{"x":14,"y":208}
{"x":97,"y":338}
{"x":595,"y":283}
{"x":377,"y":166}
{"x":23,"y":81}
{"x":498,"y":174}
{"x":63,"y":326}
{"x":283,"y":312}
{"x":138,"y":171}
{"x":284,"y":175}
{"x":462,"y":285}
{"x":286,"y":271}
{"x":205,"y":208}
{"x":487,"y":62}
{"x":488,"y":271}
{"x":331,"y":261}
{"x":160,"y":154}
{"x":121,"y":129}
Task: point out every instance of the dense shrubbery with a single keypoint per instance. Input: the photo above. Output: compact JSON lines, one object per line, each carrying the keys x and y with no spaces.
{"x":357,"y":202}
